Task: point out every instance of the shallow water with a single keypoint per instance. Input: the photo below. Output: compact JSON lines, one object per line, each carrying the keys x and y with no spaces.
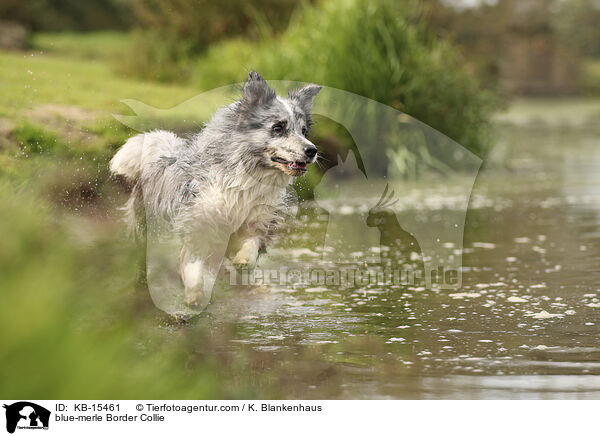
{"x":524,"y":324}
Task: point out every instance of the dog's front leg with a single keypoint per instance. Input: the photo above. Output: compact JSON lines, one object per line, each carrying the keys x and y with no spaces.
{"x":194,"y":274}
{"x":198,"y":272}
{"x":248,"y":253}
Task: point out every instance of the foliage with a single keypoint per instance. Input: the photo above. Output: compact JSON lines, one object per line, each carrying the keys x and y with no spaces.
{"x":153,"y":55}
{"x":378,"y":49}
{"x":198,"y":23}
{"x":61,"y":15}
{"x":576,"y":23}
{"x":171,"y":33}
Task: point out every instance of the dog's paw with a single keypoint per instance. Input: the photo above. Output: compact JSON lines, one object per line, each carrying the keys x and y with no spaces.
{"x":242,"y":264}
{"x":244,"y":260}
{"x":192,"y":300}
{"x":196,"y":300}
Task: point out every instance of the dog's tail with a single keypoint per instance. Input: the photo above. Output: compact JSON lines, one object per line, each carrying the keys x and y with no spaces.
{"x":135,"y":161}
{"x":143,"y":150}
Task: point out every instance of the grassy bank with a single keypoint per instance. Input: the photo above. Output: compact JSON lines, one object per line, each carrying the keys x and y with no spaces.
{"x":56,"y":109}
{"x":37,"y":78}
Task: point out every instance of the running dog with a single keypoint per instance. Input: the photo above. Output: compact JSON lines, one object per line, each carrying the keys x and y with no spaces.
{"x":229,"y":179}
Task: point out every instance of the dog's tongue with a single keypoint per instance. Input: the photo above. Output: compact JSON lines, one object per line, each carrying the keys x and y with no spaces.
{"x":301,"y":165}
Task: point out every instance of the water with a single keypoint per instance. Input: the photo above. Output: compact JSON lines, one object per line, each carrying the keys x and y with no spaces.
{"x":524,"y":324}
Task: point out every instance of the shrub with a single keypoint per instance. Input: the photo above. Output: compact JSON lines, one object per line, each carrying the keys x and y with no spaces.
{"x":171,"y":33}
{"x":199,"y":23}
{"x":60,"y":15}
{"x":382,"y":50}
{"x":157,"y":56}
{"x":379,"y":49}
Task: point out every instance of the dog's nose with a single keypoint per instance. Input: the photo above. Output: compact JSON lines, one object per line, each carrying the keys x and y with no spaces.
{"x":310,"y":151}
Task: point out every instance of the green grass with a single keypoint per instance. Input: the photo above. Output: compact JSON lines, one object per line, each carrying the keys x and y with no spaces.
{"x":56,"y":109}
{"x":35,"y":139}
{"x":74,"y":97}
{"x":92,"y":45}
{"x":56,"y":116}
{"x":32,"y":79}
{"x":61,"y":101}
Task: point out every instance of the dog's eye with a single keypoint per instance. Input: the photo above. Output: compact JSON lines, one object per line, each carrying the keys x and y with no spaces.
{"x":304,"y":131}
{"x":278,"y":128}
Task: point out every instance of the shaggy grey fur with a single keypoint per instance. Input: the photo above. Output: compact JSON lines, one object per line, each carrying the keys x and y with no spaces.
{"x":229,"y":179}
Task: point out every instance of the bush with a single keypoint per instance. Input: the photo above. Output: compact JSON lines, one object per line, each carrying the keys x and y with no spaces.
{"x":384,"y":51}
{"x":61,"y":15}
{"x":157,"y":56}
{"x":170,"y":34}
{"x":378,"y":49}
{"x":199,"y":23}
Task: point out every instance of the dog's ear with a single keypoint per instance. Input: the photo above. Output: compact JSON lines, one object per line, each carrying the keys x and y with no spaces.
{"x":305,"y":96}
{"x":256,"y":91}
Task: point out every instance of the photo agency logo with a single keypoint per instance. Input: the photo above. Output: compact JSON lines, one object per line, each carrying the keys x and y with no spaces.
{"x":367,"y":213}
{"x":24,"y":415}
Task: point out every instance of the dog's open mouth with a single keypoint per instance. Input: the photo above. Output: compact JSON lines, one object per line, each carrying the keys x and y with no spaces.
{"x":292,"y":166}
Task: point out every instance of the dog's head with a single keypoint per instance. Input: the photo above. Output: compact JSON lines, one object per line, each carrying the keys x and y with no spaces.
{"x":277,"y":128}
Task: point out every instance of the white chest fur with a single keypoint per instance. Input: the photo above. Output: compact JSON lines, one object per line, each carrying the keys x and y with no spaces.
{"x":234,"y":203}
